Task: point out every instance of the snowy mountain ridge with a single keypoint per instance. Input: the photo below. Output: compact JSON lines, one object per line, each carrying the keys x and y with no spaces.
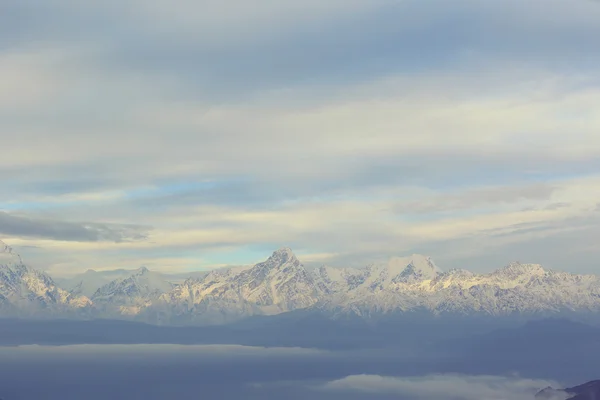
{"x":26,"y":291}
{"x":129,"y":296}
{"x":278,"y":285}
{"x":408,"y":284}
{"x":281,"y":284}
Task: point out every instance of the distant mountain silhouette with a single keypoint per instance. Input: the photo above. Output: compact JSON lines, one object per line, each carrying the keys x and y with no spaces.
{"x":587,"y":391}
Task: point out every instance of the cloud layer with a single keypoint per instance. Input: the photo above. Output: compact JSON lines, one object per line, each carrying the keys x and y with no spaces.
{"x":458,"y":387}
{"x":233,"y":372}
{"x":351,"y":131}
{"x":27,"y":227}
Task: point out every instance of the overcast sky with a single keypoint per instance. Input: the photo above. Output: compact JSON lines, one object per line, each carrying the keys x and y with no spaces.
{"x":185,"y":135}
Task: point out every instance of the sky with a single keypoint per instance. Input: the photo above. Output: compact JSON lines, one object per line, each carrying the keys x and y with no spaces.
{"x":191,"y":135}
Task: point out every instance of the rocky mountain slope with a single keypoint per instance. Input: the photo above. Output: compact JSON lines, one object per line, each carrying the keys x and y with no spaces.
{"x":416,"y":283}
{"x":87,"y":283}
{"x":27,"y":292}
{"x":401,"y":285}
{"x":130,"y":295}
{"x":278,"y":285}
{"x":282,"y":284}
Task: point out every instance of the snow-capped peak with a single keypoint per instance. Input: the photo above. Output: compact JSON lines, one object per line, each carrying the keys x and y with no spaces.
{"x":284,"y":255}
{"x":4,"y":248}
{"x":412,"y":269}
{"x":515,"y":269}
{"x":7,"y":254}
{"x":128,"y":296}
{"x":277,"y":285}
{"x":280,"y":284}
{"x":26,"y":291}
{"x":420,"y":268}
{"x":141,"y":271}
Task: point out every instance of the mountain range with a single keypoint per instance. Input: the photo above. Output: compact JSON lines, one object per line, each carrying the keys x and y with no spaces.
{"x":281,"y":284}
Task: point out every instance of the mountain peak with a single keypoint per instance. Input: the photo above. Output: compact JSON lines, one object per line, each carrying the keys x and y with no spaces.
{"x":7,"y":253}
{"x":5,"y":249}
{"x":280,"y":258}
{"x":417,"y":267}
{"x":141,"y":270}
{"x":517,"y":269}
{"x":283,"y":255}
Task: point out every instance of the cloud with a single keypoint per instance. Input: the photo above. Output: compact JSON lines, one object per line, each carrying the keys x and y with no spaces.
{"x":352,"y":129}
{"x":174,"y":350}
{"x":486,"y":196}
{"x":459,"y":387}
{"x":557,"y":206}
{"x":378,"y":228}
{"x":23,"y":226}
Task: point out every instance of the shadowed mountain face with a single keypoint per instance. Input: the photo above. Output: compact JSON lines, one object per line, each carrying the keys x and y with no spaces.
{"x":587,"y":391}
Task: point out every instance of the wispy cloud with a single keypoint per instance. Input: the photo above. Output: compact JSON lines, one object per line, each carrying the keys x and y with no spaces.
{"x":352,"y":128}
{"x":23,"y":226}
{"x":472,"y":199}
{"x":442,"y":386}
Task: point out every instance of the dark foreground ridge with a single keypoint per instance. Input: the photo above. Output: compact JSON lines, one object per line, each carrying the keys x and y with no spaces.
{"x":587,"y":391}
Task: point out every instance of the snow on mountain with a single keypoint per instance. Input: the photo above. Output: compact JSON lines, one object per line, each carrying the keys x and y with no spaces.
{"x":378,"y":288}
{"x":28,"y":292}
{"x":130,"y":295}
{"x":275,"y":286}
{"x":281,"y":284}
{"x":415,"y":269}
{"x":516,"y":288}
{"x":339,"y":280}
{"x":90,"y":281}
{"x":408,"y":284}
